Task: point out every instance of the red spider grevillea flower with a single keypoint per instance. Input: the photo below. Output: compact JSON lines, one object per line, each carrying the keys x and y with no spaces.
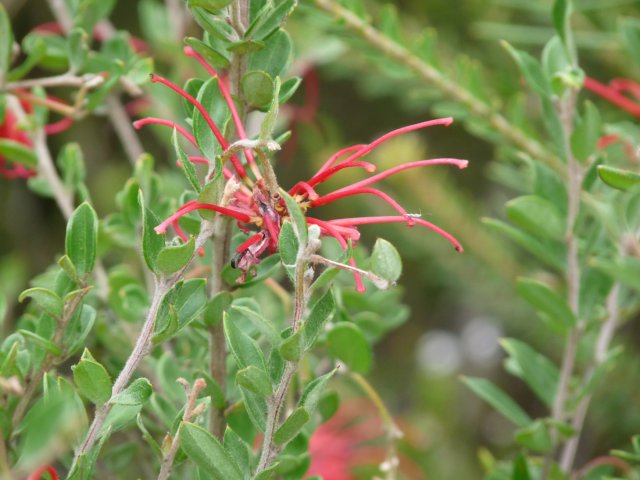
{"x":37,"y":475}
{"x":260,"y":212}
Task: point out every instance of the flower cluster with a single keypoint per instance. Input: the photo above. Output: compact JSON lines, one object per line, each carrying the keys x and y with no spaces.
{"x":260,"y":211}
{"x":10,"y":129}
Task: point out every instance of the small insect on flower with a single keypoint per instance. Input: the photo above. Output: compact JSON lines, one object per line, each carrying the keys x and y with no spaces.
{"x":260,"y":210}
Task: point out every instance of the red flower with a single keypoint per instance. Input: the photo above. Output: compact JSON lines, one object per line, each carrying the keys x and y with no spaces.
{"x":351,"y":438}
{"x":9,"y":130}
{"x":261,"y":212}
{"x":37,"y":475}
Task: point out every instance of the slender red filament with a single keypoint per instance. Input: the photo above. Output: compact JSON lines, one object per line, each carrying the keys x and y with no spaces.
{"x":334,"y":232}
{"x":249,"y":241}
{"x":193,"y":205}
{"x":391,"y":219}
{"x":214,"y":128}
{"x":613,"y":96}
{"x":190,"y":52}
{"x":332,"y":197}
{"x":336,"y":156}
{"x":405,"y":166}
{"x":394,"y":133}
{"x":167,"y":123}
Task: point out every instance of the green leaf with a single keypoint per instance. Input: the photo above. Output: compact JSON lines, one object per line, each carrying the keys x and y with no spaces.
{"x":321,"y":312}
{"x":535,"y":437}
{"x":71,"y":162}
{"x":386,"y":261}
{"x":6,"y":42}
{"x":186,"y":300}
{"x":244,"y":47}
{"x":618,"y":178}
{"x":520,"y":468}
{"x":312,"y":393}
{"x":546,"y":300}
{"x":586,"y":134}
{"x":291,"y":426}
{"x":291,"y":347}
{"x":78,"y":48}
{"x":625,"y":270}
{"x":531,"y":69}
{"x":288,"y":248}
{"x":552,"y":257}
{"x":212,"y":191}
{"x":46,"y":299}
{"x":152,"y":243}
{"x":207,"y":453}
{"x":89,"y":12}
{"x":270,"y":19}
{"x":218,"y":59}
{"x":560,"y":13}
{"x":269,"y":121}
{"x":41,"y":341}
{"x":244,"y":348}
{"x":256,"y":408}
{"x":213,"y":102}
{"x":135,"y":394}
{"x":18,"y":153}
{"x":276,"y":57}
{"x":260,"y":322}
{"x":92,"y":380}
{"x":532,"y":367}
{"x":237,"y":449}
{"x":208,"y":4}
{"x":347,"y":342}
{"x":148,"y":437}
{"x":298,"y":222}
{"x":82,"y":238}
{"x":498,"y":399}
{"x":254,"y":380}
{"x":187,"y":166}
{"x":630,"y":34}
{"x":289,"y":87}
{"x":172,"y":259}
{"x":257,"y":88}
{"x":216,"y":307}
{"x":216,"y":27}
{"x":537,"y":215}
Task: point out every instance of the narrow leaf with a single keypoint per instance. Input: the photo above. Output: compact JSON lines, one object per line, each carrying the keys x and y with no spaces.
{"x":207,"y":453}
{"x":291,"y":426}
{"x":499,"y":400}
{"x":82,"y":238}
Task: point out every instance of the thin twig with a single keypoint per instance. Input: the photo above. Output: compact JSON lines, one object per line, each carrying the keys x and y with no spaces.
{"x":448,"y":87}
{"x":566,"y":111}
{"x":142,"y":346}
{"x":603,"y":341}
{"x":46,"y":167}
{"x":276,"y":402}
{"x":124,"y":129}
{"x":190,"y":411}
